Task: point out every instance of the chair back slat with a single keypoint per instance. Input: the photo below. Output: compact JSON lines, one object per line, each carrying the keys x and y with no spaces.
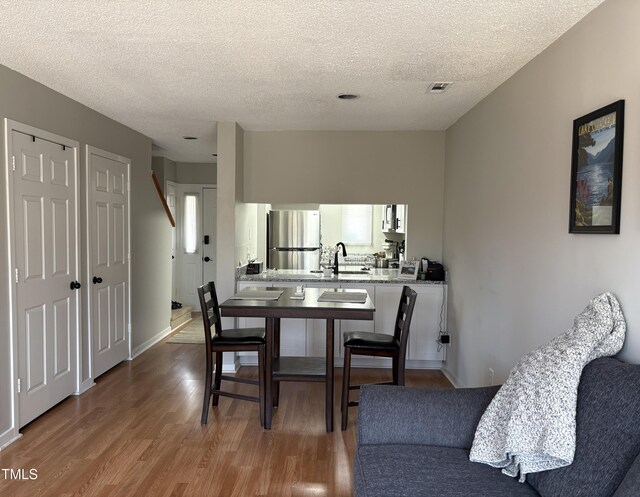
{"x":210,"y":312}
{"x":403,"y":318}
{"x":404,"y":306}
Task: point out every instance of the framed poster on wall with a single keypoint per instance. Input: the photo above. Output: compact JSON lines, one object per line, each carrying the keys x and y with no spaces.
{"x":596,"y":171}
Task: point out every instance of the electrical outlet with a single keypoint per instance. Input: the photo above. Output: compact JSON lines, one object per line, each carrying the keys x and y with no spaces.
{"x":491,"y":375}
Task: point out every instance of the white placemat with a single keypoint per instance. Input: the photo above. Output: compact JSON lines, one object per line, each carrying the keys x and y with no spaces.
{"x":352,"y":297}
{"x":258,"y":295}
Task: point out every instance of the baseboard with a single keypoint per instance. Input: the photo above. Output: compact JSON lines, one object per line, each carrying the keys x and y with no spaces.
{"x":181,"y":325}
{"x":378,"y":362}
{"x":356,"y":362}
{"x":233,"y":368}
{"x":84,"y":386}
{"x":7,"y":438}
{"x":451,"y":377}
{"x":149,"y":343}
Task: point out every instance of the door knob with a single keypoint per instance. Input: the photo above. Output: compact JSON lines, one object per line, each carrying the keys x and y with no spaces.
{"x":206,"y":259}
{"x":74,"y":285}
{"x":97,"y":279}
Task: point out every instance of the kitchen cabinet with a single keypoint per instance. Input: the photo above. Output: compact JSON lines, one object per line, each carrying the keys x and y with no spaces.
{"x":250,"y":357}
{"x":425,"y":323}
{"x":293,"y":335}
{"x":393,"y":218}
{"x":316,"y":329}
{"x":301,"y":337}
{"x":251,"y":322}
{"x":352,"y":325}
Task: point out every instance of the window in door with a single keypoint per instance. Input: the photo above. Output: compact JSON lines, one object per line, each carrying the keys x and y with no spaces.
{"x":190,"y":223}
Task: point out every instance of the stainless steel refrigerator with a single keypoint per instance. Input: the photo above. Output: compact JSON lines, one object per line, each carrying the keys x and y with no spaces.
{"x":293,"y":240}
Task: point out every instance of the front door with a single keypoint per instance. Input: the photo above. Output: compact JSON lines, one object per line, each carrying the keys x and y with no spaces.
{"x":109,"y":258}
{"x":209,"y":234}
{"x":195,"y":220}
{"x":46,"y":270}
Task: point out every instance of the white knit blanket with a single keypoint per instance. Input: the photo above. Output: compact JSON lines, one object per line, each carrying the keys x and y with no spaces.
{"x":530,"y":425}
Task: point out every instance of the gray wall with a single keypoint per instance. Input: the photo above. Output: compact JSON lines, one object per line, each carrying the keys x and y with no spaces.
{"x":184,"y":172}
{"x":196,"y":173}
{"x":28,"y":102}
{"x":517,"y":276}
{"x":165,"y":170}
{"x":353,"y":167}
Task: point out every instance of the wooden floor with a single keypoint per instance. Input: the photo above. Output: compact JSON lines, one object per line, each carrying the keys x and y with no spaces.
{"x":137,"y":433}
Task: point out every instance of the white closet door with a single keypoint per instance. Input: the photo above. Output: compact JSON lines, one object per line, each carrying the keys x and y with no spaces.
{"x":109,"y":255}
{"x":171,"y":202}
{"x":47,"y":297}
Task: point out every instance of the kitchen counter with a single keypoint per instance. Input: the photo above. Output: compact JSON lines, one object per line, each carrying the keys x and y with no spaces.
{"x":305,"y":338}
{"x":372,"y":276}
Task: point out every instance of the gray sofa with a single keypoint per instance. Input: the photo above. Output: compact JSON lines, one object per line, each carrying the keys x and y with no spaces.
{"x":415,"y":442}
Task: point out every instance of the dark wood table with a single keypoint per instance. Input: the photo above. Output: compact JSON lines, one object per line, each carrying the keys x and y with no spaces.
{"x":298,"y":368}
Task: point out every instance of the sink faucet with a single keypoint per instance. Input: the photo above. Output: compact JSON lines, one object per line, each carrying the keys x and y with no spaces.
{"x":335,"y":257}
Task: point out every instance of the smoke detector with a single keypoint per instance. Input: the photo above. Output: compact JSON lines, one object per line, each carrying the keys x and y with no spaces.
{"x":439,"y":87}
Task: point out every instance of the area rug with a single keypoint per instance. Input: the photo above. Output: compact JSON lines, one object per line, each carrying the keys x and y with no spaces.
{"x":192,"y":333}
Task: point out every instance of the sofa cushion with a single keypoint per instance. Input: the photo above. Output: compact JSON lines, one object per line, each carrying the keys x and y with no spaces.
{"x":429,"y":471}
{"x":607,"y":433}
{"x":630,"y":486}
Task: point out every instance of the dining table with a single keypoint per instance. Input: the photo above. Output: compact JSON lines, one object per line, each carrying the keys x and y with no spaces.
{"x":276,"y":303}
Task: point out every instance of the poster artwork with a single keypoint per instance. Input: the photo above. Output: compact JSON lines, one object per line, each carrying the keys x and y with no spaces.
{"x":595,"y":174}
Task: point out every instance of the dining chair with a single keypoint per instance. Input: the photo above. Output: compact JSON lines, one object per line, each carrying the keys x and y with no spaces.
{"x":218,"y":341}
{"x":379,"y":344}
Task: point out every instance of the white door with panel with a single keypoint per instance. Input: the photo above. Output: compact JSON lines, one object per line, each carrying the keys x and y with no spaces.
{"x":196,"y":208}
{"x":44,"y":229}
{"x":170,"y":195}
{"x":108,"y":200}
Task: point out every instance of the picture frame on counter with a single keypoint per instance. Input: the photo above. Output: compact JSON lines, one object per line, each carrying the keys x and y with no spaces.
{"x":596,"y":171}
{"x":409,"y":270}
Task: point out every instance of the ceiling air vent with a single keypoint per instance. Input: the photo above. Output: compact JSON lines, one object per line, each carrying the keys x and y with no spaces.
{"x":439,"y":87}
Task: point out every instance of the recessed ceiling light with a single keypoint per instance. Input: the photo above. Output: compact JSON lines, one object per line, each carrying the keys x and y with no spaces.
{"x":439,"y":87}
{"x":348,"y":96}
{"x":190,"y":137}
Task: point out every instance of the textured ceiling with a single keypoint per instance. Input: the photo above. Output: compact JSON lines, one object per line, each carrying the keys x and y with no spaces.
{"x":170,"y":68}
